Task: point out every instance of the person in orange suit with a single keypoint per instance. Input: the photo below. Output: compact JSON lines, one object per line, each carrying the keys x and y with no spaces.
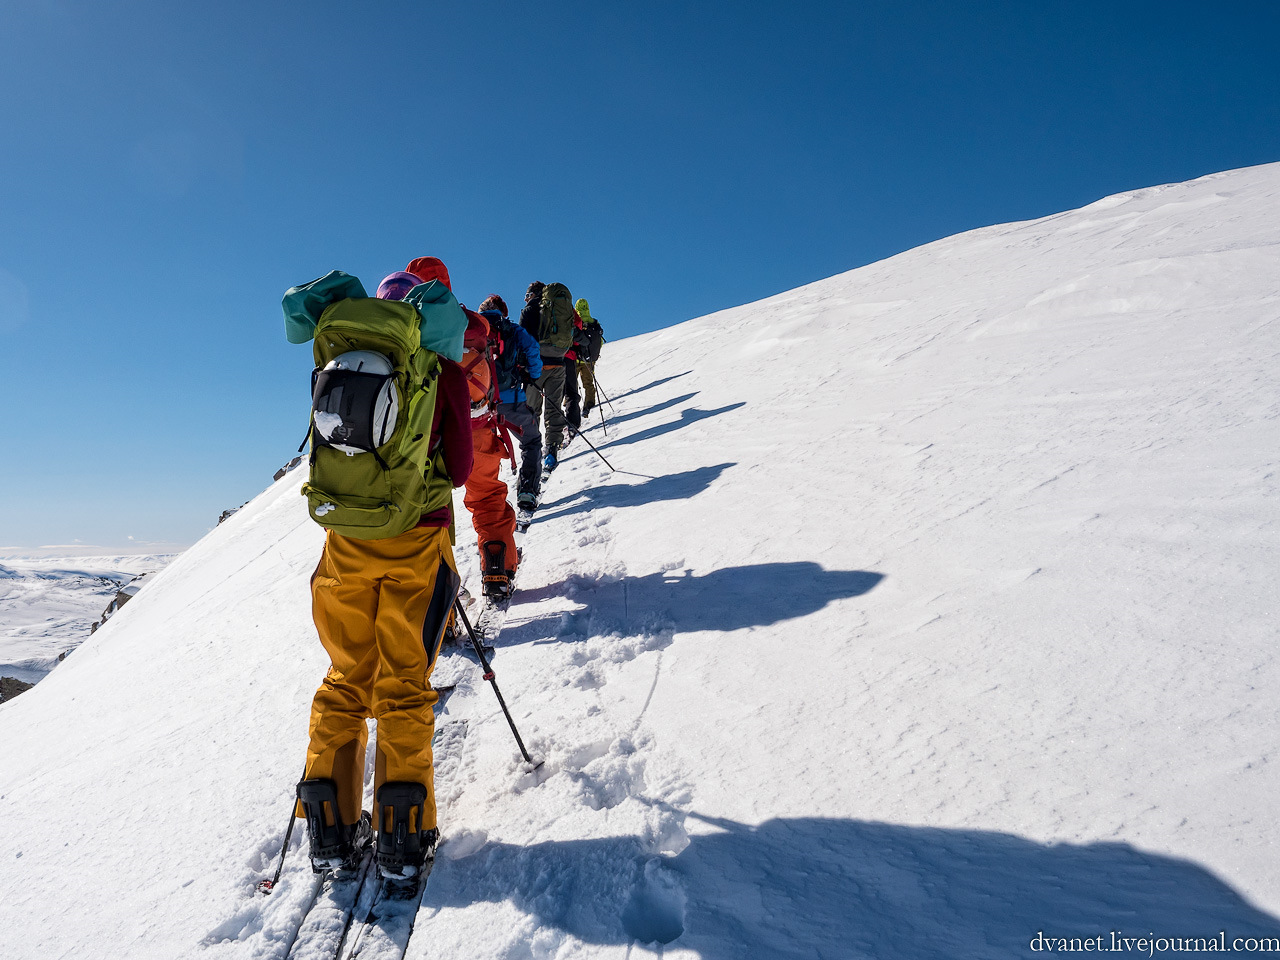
{"x":492,"y":515}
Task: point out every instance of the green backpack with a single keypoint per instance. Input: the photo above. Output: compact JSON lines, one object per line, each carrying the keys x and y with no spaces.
{"x":555,"y":335}
{"x":373,"y":474}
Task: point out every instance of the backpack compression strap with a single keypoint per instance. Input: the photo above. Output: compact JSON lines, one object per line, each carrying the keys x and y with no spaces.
{"x":490,"y":417}
{"x":491,"y":390}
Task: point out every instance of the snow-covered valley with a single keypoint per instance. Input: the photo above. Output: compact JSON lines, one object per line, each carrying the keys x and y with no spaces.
{"x":48,"y":605}
{"x":931,"y":606}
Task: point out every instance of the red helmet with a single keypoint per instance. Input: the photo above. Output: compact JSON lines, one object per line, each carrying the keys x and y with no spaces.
{"x":430,"y":268}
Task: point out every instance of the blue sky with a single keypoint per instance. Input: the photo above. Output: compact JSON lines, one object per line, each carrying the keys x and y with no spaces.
{"x":168,"y":169}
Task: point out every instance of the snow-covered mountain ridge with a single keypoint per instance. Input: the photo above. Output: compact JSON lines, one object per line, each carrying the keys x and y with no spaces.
{"x":931,"y":606}
{"x":48,"y":605}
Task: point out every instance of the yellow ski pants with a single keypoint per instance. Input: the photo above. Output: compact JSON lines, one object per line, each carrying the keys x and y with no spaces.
{"x":380,"y":607}
{"x":587,"y":373}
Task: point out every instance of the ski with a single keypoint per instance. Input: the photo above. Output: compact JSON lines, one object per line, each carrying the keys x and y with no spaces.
{"x":386,"y":915}
{"x":493,"y":614}
{"x":328,"y":919}
{"x":456,"y":637}
{"x":388,"y":925}
{"x":524,"y":517}
{"x":487,"y":623}
{"x":352,"y":907}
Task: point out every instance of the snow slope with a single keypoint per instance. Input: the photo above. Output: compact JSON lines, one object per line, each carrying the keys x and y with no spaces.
{"x":931,"y":606}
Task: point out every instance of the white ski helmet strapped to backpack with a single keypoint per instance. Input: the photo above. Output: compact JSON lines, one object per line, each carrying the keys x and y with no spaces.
{"x":354,"y":402}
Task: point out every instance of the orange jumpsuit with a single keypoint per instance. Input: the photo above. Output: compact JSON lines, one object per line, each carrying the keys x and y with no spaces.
{"x":491,"y":514}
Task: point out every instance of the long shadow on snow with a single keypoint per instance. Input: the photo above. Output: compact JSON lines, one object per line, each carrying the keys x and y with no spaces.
{"x":675,"y":486}
{"x":727,"y":599}
{"x":812,"y":887}
{"x":655,"y":408}
{"x":687,"y":417}
{"x":647,"y":386}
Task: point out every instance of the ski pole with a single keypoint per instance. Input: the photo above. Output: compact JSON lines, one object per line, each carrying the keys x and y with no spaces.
{"x":605,"y":397}
{"x":603,"y":425}
{"x":489,"y":675}
{"x":578,"y":433}
{"x":266,"y":886}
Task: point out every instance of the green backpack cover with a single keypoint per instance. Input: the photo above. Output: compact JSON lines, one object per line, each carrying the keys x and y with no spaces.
{"x":385,"y":491}
{"x":555,"y":336}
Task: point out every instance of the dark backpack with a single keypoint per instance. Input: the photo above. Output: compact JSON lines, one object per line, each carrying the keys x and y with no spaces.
{"x":595,"y":340}
{"x":581,"y":342}
{"x":509,"y":364}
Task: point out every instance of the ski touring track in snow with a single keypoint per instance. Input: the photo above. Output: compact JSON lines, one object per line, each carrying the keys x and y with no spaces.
{"x":651,"y":908}
{"x":930,"y":607}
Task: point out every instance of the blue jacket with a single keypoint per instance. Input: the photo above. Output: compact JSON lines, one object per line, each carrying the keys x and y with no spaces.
{"x":528,"y":356}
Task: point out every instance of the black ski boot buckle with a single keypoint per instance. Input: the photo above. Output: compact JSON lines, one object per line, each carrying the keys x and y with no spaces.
{"x":497,"y":580}
{"x":403,"y":842}
{"x":331,"y":839}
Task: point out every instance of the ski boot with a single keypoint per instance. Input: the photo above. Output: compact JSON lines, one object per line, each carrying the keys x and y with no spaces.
{"x":550,"y":460}
{"x":403,"y":847}
{"x":527,"y":500}
{"x":335,"y":845}
{"x":497,"y":578}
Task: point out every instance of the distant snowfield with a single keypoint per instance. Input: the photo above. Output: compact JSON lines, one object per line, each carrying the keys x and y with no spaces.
{"x":932,"y":606}
{"x":49,"y":603}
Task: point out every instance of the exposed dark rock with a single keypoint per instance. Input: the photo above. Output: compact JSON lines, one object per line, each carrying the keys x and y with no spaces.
{"x":123,"y":596}
{"x":10,"y":687}
{"x":287,"y":467}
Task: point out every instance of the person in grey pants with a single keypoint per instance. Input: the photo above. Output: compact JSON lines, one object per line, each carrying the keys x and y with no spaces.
{"x":519,"y":363}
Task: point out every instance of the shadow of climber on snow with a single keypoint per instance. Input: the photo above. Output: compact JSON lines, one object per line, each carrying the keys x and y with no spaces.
{"x":648,"y":386}
{"x":674,"y":486}
{"x":727,"y":599}
{"x":687,"y":417}
{"x":810,"y":887}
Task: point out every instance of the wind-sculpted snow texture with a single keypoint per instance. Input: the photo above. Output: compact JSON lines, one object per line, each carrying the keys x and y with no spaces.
{"x":931,"y":606}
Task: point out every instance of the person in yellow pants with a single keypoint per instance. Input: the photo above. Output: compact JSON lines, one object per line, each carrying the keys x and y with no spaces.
{"x":593,"y":340}
{"x":380,"y":608}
